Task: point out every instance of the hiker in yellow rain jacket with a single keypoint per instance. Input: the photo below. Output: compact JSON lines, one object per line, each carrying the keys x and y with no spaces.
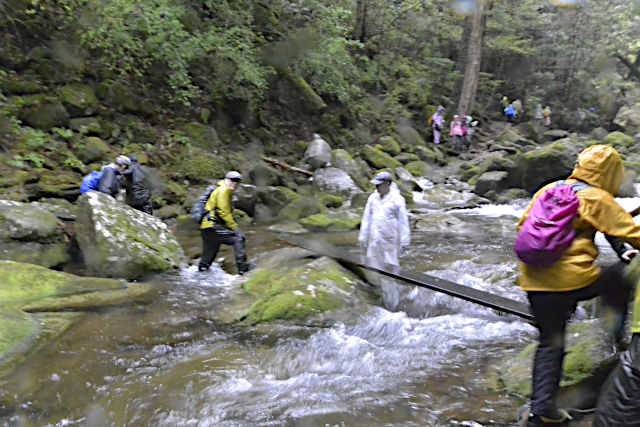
{"x":554,"y":292}
{"x":619,"y":403}
{"x":218,"y":226}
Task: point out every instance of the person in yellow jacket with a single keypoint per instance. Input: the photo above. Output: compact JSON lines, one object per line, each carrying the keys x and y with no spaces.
{"x":619,"y":403}
{"x":218,"y":226}
{"x":554,"y":292}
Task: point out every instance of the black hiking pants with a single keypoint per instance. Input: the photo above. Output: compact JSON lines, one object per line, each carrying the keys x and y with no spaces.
{"x":213,"y":237}
{"x":619,"y":403}
{"x":551,"y":310}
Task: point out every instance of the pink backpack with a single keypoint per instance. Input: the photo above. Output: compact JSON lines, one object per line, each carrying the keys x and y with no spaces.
{"x":548,"y":230}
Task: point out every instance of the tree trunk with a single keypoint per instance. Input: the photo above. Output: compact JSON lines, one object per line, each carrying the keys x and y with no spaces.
{"x":360,"y":29}
{"x":470,"y":85}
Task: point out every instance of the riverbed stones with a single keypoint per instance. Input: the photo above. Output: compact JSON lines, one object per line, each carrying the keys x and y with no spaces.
{"x":295,"y":286}
{"x":340,"y":220}
{"x":334,"y":181}
{"x":118,"y":241}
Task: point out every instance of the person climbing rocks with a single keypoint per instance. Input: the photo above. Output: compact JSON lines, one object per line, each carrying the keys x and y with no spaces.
{"x":112,"y":174}
{"x":510,"y":113}
{"x":437,"y":120}
{"x":218,"y":226}
{"x":456,"y":133}
{"x":517,"y":105}
{"x":384,"y":231}
{"x":137,"y":185}
{"x":470,"y":125}
{"x":553,"y":292}
{"x":504,"y":102}
{"x":539,"y":114}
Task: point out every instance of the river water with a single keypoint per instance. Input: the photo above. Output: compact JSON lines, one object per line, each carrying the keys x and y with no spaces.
{"x":166,"y":363}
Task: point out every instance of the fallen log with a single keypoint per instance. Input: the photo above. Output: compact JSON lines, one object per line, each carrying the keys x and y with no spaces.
{"x":286,"y":166}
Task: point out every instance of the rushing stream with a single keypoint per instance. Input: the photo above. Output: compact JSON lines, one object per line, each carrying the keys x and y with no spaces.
{"x":165,"y":363}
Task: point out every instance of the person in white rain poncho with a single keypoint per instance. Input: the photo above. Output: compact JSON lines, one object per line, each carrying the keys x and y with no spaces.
{"x":384,"y":231}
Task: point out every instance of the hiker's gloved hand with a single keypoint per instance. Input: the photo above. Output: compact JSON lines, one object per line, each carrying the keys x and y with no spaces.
{"x":363,"y":246}
{"x":207,"y":216}
{"x":403,"y":249}
{"x":239,"y":233}
{"x":628,"y":255}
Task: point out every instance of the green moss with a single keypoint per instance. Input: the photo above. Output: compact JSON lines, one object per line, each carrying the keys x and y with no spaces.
{"x":316,"y":222}
{"x":302,"y":208}
{"x":416,"y":168}
{"x":21,"y":282}
{"x":202,"y":136}
{"x":92,"y":149}
{"x":79,"y":100}
{"x":378,"y":158}
{"x":296,"y":294}
{"x":15,"y":327}
{"x":618,"y":140}
{"x":331,"y":200}
{"x":201,"y":167}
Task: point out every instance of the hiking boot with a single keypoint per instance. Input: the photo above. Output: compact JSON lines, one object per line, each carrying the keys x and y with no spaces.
{"x":559,"y":418}
{"x":245,"y":267}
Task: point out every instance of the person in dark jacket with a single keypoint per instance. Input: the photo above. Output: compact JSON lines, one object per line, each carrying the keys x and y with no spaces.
{"x":218,"y":226}
{"x":111,"y":175}
{"x":137,"y":186}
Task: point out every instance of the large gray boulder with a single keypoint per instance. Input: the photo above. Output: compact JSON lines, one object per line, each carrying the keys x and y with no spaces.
{"x":358,"y":171}
{"x":118,"y":241}
{"x":245,"y":198}
{"x":31,"y":233}
{"x":548,"y":163}
{"x":335,"y":181}
{"x":318,"y":153}
{"x":491,"y":181}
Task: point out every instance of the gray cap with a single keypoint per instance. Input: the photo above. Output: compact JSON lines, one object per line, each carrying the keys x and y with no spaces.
{"x":382,"y":177}
{"x":233,"y":175}
{"x":123,"y":161}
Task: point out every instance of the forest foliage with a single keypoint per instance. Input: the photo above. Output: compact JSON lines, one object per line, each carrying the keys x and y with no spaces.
{"x":379,"y":61}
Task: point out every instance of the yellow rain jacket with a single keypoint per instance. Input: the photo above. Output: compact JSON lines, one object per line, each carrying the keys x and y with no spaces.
{"x":601,"y":167}
{"x":220,"y":198}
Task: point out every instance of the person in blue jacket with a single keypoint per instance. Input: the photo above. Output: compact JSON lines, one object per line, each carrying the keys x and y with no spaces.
{"x":510,"y":112}
{"x":111,"y":175}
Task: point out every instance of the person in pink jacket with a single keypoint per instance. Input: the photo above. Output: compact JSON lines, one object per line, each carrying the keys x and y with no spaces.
{"x":437,"y":120}
{"x":456,"y":133}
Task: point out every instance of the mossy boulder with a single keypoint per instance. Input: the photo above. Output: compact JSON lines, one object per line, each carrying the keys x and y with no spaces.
{"x":418,"y":168}
{"x":302,"y":208}
{"x":79,"y":100}
{"x":331,"y":200}
{"x":199,"y":166}
{"x":405,"y":158}
{"x":121,"y":98}
{"x":357,"y":170}
{"x":92,"y":149}
{"x":118,"y":241}
{"x":202,"y":136}
{"x":86,"y":125}
{"x":263,"y":175}
{"x":389,"y":145}
{"x":586,"y":353}
{"x":276,"y":198}
{"x":377,"y":158}
{"x":618,"y":140}
{"x":57,"y":184}
{"x":45,"y":115}
{"x":333,"y":221}
{"x":293,"y":286}
{"x":554,"y":161}
{"x":14,"y":84}
{"x":510,"y":135}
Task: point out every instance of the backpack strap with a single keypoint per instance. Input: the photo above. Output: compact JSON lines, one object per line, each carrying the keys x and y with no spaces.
{"x":576,"y":186}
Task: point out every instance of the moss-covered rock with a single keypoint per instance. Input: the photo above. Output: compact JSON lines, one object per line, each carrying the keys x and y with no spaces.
{"x":86,"y":125}
{"x":13,"y":84}
{"x":63,"y":184}
{"x":357,"y":170}
{"x":173,"y":192}
{"x":276,"y":198}
{"x":418,"y":168}
{"x":92,"y":149}
{"x":333,"y":221}
{"x":45,"y":115}
{"x":198,"y":166}
{"x":79,"y":100}
{"x":118,"y":241}
{"x":301,"y":208}
{"x":378,"y":159}
{"x":121,"y":98}
{"x":389,"y":145}
{"x":405,"y":158}
{"x":202,"y":136}
{"x":550,"y":162}
{"x":618,"y":140}
{"x":331,"y":200}
{"x":290,"y":286}
{"x":510,"y":135}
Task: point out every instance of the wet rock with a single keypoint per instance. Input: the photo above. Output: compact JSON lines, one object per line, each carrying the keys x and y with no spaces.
{"x":405,"y":158}
{"x":588,"y":354}
{"x":554,"y":161}
{"x":334,"y":181}
{"x":378,"y":159}
{"x":330,"y":200}
{"x":510,"y":135}
{"x":402,"y":173}
{"x":554,"y":135}
{"x":288,"y":228}
{"x":628,"y":117}
{"x":418,"y":168}
{"x":439,"y":222}
{"x":618,"y":140}
{"x":245,"y":198}
{"x":293,"y":286}
{"x":599,"y":133}
{"x":79,"y":100}
{"x":491,"y":181}
{"x":319,"y":153}
{"x":302,"y":208}
{"x":118,"y":241}
{"x":342,"y":220}
{"x":276,"y":198}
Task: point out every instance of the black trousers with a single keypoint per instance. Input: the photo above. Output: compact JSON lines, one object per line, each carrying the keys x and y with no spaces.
{"x":212,"y":238}
{"x":551,"y":310}
{"x":619,"y":403}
